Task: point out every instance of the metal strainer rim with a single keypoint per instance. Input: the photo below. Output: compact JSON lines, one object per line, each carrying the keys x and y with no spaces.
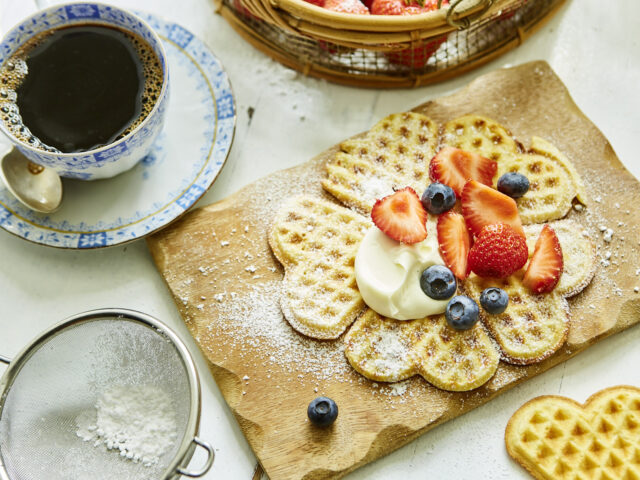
{"x":189,"y":440}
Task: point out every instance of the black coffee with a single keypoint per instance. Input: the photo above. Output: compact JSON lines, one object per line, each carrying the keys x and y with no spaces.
{"x":80,"y":87}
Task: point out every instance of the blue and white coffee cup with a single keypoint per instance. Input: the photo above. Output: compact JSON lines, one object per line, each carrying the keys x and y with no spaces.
{"x":123,"y":153}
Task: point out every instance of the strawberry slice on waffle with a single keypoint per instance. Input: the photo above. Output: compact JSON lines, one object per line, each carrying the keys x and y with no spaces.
{"x":483,"y":205}
{"x":546,"y":265}
{"x":455,"y":167}
{"x":401,"y":216}
{"x":455,"y":242}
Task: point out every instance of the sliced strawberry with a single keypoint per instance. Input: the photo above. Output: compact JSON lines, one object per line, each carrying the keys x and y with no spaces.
{"x":546,"y":264}
{"x":401,"y":216}
{"x":455,"y":242}
{"x":454,"y":167}
{"x":498,"y":251}
{"x":483,"y":205}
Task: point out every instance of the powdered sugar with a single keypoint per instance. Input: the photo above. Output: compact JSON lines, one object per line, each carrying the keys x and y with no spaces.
{"x":374,"y":187}
{"x":137,"y":420}
{"x":254,"y":321}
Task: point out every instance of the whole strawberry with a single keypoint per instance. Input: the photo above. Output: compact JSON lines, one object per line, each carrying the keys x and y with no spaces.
{"x":355,"y":7}
{"x":498,"y":251}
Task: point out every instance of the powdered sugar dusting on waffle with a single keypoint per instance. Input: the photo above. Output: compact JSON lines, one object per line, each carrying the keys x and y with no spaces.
{"x":373,"y":188}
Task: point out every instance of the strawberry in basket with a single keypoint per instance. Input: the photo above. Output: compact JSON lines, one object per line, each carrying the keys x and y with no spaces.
{"x":415,"y":57}
{"x":344,"y":6}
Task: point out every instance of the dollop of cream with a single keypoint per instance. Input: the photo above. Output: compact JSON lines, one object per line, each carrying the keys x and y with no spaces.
{"x":388,"y":275}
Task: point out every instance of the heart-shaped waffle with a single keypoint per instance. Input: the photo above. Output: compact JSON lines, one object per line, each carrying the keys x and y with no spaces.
{"x":554,"y":182}
{"x":553,"y":179}
{"x":388,"y":350}
{"x":480,"y":134}
{"x":316,"y":242}
{"x":532,"y":328}
{"x":578,"y":253}
{"x":395,"y":153}
{"x":535,"y":326}
{"x":556,"y":438}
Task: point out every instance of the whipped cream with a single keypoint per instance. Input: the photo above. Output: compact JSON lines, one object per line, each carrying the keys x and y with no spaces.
{"x":388,"y":275}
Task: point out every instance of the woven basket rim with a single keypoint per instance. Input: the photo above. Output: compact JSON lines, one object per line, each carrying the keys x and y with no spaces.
{"x":268,"y":44}
{"x":424,"y":21}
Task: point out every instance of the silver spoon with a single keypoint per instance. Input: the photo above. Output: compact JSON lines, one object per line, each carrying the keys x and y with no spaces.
{"x":37,"y":187}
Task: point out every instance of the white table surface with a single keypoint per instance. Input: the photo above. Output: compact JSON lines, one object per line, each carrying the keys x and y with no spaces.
{"x":594,"y":47}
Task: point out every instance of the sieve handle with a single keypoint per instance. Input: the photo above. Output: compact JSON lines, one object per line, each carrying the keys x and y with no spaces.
{"x":207,"y":466}
{"x":5,"y":360}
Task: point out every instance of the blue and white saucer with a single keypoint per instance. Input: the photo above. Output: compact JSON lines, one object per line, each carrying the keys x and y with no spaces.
{"x":184,"y":162}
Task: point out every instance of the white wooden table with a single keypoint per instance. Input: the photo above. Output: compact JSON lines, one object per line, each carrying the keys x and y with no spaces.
{"x":594,"y":47}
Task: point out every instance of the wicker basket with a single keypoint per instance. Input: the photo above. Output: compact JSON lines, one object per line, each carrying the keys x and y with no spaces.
{"x":385,"y":51}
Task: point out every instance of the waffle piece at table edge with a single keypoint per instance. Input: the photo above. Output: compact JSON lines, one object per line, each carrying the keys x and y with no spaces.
{"x":556,"y":438}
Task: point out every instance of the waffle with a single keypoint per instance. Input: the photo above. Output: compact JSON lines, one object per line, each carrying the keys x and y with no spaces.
{"x":553,"y":179}
{"x":389,"y":350}
{"x":395,"y":153}
{"x":578,"y":252}
{"x":316,"y":242}
{"x":556,"y":438}
{"x":554,"y":182}
{"x":532,"y":327}
{"x":482,"y":135}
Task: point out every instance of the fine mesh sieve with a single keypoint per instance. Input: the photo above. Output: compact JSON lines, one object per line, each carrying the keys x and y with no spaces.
{"x":54,"y":386}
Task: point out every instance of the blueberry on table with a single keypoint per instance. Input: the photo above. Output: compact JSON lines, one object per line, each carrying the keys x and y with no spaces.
{"x":438,"y":282}
{"x":322,"y":411}
{"x":513,"y":184}
{"x":462,"y":312}
{"x":494,"y":300}
{"x":438,"y":198}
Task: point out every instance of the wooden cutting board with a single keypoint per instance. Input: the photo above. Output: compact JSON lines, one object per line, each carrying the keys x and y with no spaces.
{"x":226,"y":283}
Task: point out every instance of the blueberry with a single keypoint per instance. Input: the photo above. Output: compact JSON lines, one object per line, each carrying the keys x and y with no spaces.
{"x":322,"y":411}
{"x":438,"y":282}
{"x":462,"y":312}
{"x":494,"y":300}
{"x":438,"y":198}
{"x":513,"y":184}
